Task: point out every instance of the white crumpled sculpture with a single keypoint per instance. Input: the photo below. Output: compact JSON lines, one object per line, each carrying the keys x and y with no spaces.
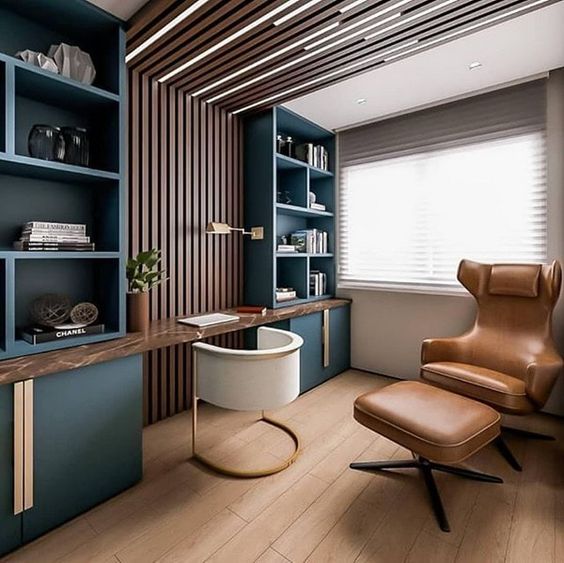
{"x":38,"y":59}
{"x":73,"y":62}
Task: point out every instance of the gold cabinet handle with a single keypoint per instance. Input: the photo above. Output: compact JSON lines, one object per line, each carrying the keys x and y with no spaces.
{"x":23,"y":446}
{"x":18,"y":447}
{"x":28,"y":444}
{"x":326,"y":347}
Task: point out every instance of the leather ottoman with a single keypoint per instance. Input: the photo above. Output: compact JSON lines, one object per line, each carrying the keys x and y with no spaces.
{"x":438,"y":426}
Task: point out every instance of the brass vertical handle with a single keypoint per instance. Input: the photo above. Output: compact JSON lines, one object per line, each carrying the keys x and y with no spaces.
{"x":18,"y":447}
{"x":28,"y":445}
{"x":326,"y":335}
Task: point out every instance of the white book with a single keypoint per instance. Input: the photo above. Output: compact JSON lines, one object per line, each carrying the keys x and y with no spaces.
{"x":55,"y":226}
{"x":209,"y":320}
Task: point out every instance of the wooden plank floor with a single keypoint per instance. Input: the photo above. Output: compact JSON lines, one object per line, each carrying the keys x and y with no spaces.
{"x":317,"y":510}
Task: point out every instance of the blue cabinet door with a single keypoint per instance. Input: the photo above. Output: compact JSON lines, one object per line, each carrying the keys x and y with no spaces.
{"x":311,"y":353}
{"x":87,"y":440}
{"x":10,"y":525}
{"x":339,"y":341}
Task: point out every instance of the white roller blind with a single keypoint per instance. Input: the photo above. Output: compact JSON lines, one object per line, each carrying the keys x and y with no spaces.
{"x":406,"y":222}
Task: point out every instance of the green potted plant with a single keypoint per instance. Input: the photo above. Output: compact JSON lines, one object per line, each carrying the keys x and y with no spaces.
{"x":143,"y":274}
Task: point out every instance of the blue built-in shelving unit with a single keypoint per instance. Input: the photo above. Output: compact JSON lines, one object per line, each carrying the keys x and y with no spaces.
{"x":37,"y":190}
{"x":266,"y":174}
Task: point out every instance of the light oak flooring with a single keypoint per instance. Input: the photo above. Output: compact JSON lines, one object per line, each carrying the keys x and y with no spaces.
{"x":318,"y":510}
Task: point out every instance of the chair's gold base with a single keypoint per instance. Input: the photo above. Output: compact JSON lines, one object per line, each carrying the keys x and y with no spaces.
{"x":251,"y":474}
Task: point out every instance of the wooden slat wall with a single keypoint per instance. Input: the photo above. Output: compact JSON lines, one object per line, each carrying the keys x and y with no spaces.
{"x":185,"y":170}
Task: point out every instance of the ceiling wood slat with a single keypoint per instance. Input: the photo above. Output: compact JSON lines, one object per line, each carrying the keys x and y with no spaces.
{"x":264,"y":66}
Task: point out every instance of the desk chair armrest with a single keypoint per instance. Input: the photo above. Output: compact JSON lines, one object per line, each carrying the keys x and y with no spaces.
{"x":541,"y":377}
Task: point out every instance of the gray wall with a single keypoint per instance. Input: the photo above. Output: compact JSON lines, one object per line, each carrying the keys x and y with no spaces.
{"x":388,"y":328}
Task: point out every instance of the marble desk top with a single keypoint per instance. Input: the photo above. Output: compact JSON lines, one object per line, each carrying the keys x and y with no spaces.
{"x":164,"y":333}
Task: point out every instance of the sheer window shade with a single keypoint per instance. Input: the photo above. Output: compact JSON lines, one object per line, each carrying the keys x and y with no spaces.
{"x":465,"y":180}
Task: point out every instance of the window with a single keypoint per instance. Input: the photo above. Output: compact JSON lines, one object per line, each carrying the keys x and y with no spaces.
{"x":406,"y":222}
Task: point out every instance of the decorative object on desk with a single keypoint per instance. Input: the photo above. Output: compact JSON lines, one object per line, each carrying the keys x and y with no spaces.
{"x":61,"y":237}
{"x":84,"y":314}
{"x":50,"y":309}
{"x":252,"y":309}
{"x":76,"y":145}
{"x":38,"y":335}
{"x":73,"y":62}
{"x":45,"y":142}
{"x":214,"y":228}
{"x":211,"y":319}
{"x":38,"y":59}
{"x":142,"y":276}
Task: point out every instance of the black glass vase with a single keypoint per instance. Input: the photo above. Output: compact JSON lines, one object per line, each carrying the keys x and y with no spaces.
{"x":46,"y":142}
{"x":77,"y":146}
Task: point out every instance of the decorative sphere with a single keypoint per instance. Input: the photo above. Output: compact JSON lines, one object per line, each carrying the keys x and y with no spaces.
{"x":84,"y":313}
{"x":50,"y":309}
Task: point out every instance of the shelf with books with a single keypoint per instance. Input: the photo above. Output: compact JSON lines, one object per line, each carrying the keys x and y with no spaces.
{"x":32,"y":189}
{"x":278,"y":197}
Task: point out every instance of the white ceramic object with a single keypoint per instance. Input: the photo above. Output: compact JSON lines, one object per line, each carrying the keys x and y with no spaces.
{"x":73,"y":62}
{"x":38,"y":59}
{"x":250,"y":380}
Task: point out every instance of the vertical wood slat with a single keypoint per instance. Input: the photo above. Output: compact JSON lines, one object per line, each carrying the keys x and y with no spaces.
{"x":185,"y":172}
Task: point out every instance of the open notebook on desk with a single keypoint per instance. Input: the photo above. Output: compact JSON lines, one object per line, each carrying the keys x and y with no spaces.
{"x":209,"y":320}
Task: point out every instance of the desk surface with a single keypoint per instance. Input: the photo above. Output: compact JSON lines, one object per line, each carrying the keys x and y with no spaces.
{"x":161,"y":334}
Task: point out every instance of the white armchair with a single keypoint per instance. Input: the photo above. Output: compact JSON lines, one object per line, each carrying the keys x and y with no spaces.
{"x":248,"y":380}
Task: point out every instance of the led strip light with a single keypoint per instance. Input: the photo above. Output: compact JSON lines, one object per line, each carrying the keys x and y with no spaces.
{"x":391,"y":54}
{"x":226,"y":41}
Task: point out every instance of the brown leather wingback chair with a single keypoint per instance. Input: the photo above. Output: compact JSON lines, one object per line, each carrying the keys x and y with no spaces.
{"x":508,"y":358}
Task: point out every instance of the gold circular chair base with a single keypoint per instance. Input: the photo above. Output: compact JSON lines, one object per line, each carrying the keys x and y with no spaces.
{"x":251,"y":474}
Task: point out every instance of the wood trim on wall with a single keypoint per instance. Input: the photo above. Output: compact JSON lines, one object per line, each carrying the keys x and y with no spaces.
{"x":185,"y":170}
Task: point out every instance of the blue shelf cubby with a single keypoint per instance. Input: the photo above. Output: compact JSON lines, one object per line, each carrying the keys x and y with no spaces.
{"x":38,"y":190}
{"x":277,"y":197}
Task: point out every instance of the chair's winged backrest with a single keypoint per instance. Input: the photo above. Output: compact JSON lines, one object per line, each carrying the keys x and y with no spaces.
{"x":513,"y":325}
{"x":249,"y":380}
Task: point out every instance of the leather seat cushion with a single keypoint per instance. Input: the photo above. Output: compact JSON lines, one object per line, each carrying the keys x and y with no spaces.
{"x":502,"y":391}
{"x":431,"y":422}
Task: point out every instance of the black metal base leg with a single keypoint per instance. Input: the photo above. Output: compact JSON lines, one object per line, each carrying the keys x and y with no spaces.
{"x":504,"y":450}
{"x":436,"y":501}
{"x":527,"y":433}
{"x":426,"y":467}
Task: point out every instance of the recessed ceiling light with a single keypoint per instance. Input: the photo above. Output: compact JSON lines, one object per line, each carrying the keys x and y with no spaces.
{"x":474,"y":65}
{"x":361,"y":101}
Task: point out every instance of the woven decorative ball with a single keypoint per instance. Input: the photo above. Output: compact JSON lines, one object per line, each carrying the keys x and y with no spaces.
{"x":50,"y":309}
{"x":84,"y":313}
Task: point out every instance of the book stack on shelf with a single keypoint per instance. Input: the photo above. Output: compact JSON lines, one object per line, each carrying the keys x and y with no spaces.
{"x":290,"y":248}
{"x":314,"y":155}
{"x":317,"y":206}
{"x":285,"y":294}
{"x":39,"y":236}
{"x":310,"y":241}
{"x":317,"y":283}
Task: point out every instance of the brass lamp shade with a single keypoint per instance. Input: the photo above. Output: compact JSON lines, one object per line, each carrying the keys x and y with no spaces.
{"x":218,"y":228}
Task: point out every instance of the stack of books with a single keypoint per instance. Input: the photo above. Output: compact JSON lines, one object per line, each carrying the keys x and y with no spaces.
{"x":317,"y":206}
{"x":311,"y":241}
{"x":314,"y":155}
{"x":286,"y":248}
{"x":285,"y":294}
{"x":317,"y":283}
{"x":38,"y":235}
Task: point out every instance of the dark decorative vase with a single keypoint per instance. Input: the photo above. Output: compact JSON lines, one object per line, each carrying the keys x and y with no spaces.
{"x":46,"y":142}
{"x":138,"y":312}
{"x":77,"y":145}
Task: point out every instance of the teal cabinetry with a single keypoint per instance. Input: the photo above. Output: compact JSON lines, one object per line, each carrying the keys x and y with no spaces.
{"x":10,"y":524}
{"x":324,"y":353}
{"x":87,"y":446}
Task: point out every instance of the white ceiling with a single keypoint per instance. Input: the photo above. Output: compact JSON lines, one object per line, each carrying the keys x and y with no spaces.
{"x":525,"y":46}
{"x":123,"y":9}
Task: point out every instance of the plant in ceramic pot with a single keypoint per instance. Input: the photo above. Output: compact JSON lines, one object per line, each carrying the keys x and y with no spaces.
{"x":143,"y":274}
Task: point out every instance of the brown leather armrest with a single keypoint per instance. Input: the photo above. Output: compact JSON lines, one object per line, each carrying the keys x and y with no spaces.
{"x":541,"y":377}
{"x":444,"y":350}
